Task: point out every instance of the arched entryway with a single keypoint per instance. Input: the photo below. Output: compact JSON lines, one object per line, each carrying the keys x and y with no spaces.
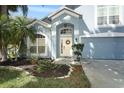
{"x":65,"y":40}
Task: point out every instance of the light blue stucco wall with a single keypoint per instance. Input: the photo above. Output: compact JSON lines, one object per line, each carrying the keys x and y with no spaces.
{"x":89,"y":25}
{"x":64,"y":18}
{"x":47,"y":33}
{"x":95,"y":47}
{"x":100,"y":47}
{"x":88,"y":12}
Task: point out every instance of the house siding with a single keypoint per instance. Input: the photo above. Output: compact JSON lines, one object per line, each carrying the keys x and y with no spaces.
{"x":100,"y":47}
{"x":89,"y":19}
{"x":64,"y":18}
{"x":43,"y":31}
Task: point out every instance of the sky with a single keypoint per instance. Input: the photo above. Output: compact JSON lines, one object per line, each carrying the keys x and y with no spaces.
{"x":38,"y":11}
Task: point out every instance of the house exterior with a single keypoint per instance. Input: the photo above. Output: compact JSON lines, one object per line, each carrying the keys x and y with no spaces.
{"x":100,"y":28}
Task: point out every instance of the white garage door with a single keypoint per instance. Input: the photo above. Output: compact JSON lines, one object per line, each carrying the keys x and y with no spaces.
{"x":103,"y":48}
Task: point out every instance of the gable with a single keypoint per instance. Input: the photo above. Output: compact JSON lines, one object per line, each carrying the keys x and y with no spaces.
{"x":64,"y":11}
{"x":44,"y":24}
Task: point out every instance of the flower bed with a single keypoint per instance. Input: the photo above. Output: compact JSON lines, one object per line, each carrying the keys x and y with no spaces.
{"x":48,"y":69}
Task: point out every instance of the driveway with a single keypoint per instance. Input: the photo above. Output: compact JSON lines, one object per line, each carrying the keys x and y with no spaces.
{"x":105,"y":73}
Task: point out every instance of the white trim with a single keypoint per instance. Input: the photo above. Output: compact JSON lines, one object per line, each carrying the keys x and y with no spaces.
{"x":64,"y":10}
{"x":109,"y":25}
{"x":41,"y":23}
{"x":95,"y":17}
{"x":63,"y":36}
{"x":46,"y":47}
{"x":106,"y":34}
{"x":121,"y":14}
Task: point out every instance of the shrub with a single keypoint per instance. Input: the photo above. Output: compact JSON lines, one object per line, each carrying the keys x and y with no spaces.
{"x":77,"y":49}
{"x":45,"y":65}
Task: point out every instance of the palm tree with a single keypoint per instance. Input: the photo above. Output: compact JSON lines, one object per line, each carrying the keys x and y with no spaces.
{"x":20,"y":34}
{"x":5,"y":30}
{"x":4,"y":9}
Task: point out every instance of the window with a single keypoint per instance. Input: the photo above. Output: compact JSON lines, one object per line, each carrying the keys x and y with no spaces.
{"x":114,"y":15}
{"x":39,"y":45}
{"x":102,"y":15}
{"x":33,"y":48}
{"x":66,"y":31}
{"x":107,"y":14}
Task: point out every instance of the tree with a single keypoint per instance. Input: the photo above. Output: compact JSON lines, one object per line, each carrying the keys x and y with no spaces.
{"x":4,"y":35}
{"x":20,"y":34}
{"x":4,"y":9}
{"x":5,"y":26}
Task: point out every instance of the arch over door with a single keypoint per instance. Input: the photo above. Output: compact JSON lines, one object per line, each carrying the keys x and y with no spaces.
{"x":65,"y":40}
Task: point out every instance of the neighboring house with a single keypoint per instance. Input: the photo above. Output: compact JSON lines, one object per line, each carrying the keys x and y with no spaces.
{"x":100,"y":28}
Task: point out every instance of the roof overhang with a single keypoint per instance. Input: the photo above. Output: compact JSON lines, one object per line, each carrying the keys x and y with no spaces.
{"x":64,"y":10}
{"x":40,"y":22}
{"x":106,"y":34}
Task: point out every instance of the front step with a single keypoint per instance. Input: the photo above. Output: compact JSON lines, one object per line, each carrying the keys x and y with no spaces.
{"x":67,"y":61}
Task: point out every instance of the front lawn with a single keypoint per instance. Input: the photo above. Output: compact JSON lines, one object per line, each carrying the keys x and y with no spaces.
{"x":11,"y":78}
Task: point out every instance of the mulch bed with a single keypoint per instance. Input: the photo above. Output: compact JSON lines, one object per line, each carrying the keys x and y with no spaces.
{"x":59,"y":72}
{"x":77,"y":68}
{"x":19,"y":62}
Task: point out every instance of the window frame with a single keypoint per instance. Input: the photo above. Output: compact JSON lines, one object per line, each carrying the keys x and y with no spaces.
{"x":121,"y":22}
{"x":37,"y":52}
{"x":68,"y":27}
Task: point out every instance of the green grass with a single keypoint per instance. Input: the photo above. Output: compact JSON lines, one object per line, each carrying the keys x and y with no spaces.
{"x":11,"y":78}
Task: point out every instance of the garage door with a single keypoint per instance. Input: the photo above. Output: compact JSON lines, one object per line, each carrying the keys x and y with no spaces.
{"x":103,"y":48}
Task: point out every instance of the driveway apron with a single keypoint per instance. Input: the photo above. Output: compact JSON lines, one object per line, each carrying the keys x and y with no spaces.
{"x":105,"y":73}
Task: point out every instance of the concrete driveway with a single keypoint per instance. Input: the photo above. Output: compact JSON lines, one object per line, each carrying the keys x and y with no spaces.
{"x":105,"y":73}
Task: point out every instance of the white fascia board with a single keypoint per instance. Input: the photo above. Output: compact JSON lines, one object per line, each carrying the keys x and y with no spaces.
{"x":56,"y":11}
{"x":107,"y":34}
{"x":41,"y":23}
{"x":64,"y":10}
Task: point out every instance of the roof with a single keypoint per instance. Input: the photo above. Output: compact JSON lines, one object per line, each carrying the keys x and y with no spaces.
{"x":72,"y":6}
{"x":64,"y":9}
{"x":41,"y":23}
{"x":47,"y":20}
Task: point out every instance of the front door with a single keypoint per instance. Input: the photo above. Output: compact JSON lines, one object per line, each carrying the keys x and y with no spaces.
{"x":66,"y":46}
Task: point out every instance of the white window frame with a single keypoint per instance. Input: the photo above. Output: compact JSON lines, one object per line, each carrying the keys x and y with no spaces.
{"x":68,"y":27}
{"x":108,"y":24}
{"x":37,"y":53}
